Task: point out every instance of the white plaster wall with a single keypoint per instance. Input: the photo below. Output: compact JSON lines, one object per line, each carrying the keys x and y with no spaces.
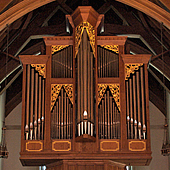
{"x":13,"y":139}
{"x":158,"y":161}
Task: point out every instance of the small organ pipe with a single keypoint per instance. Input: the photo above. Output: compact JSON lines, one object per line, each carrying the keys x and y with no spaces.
{"x":114,"y":121}
{"x":134,"y":101}
{"x":127,"y":107}
{"x":27,"y":102}
{"x":32,"y":103}
{"x":43,"y":105}
{"x":108,"y":115}
{"x":65,"y":115}
{"x":111,"y":118}
{"x":36,"y":97}
{"x":40,"y":106}
{"x":143,"y":101}
{"x":131,"y":112}
{"x":59,"y":119}
{"x":105,"y":110}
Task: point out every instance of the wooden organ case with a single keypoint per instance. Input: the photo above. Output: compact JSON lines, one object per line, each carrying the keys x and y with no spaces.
{"x":85,"y":103}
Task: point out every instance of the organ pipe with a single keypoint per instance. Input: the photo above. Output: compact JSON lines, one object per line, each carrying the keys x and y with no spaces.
{"x":135,"y":102}
{"x":108,"y":63}
{"x":62,"y":117}
{"x":85,"y":93}
{"x":34,"y":105}
{"x":62,"y":63}
{"x":109,"y":118}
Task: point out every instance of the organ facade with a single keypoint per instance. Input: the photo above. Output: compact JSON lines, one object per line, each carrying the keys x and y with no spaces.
{"x":85,"y":103}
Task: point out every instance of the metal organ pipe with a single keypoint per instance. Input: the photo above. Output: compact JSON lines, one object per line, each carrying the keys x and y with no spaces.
{"x":109,"y":118}
{"x":36,"y":97}
{"x":136,"y":104}
{"x":143,"y":102}
{"x":85,"y":92}
{"x":27,"y":103}
{"x":34,"y":104}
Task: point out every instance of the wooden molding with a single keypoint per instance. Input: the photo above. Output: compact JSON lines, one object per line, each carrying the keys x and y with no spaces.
{"x":58,"y":40}
{"x":34,"y":59}
{"x":61,"y":145}
{"x":111,"y":40}
{"x":33,"y":146}
{"x":137,"y":145}
{"x":109,"y":145}
{"x":136,"y":59}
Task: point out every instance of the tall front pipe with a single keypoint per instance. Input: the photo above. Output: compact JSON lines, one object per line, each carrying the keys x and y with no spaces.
{"x":27,"y":102}
{"x":32,"y":103}
{"x":36,"y":110}
{"x":143,"y":103}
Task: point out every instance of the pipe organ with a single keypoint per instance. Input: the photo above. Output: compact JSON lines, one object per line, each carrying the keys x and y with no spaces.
{"x":85,"y":103}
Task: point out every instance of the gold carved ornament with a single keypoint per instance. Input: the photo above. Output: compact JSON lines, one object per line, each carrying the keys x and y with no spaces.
{"x":101,"y":91}
{"x":56,"y":48}
{"x":114,"y":89}
{"x":40,"y":68}
{"x":114,"y":48}
{"x":55,"y":90}
{"x":78,"y":34}
{"x":130,"y":69}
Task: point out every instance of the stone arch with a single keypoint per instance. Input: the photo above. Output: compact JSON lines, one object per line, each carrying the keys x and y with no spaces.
{"x":26,"y":6}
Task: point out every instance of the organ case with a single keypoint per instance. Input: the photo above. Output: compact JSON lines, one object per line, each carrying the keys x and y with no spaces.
{"x":92,"y":103}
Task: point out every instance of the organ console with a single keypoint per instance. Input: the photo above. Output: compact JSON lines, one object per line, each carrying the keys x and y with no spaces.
{"x":85,"y":103}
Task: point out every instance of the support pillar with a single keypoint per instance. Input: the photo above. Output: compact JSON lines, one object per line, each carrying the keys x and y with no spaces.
{"x":2,"y":118}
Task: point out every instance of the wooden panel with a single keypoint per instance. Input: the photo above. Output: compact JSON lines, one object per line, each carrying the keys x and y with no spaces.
{"x":137,"y":145}
{"x":109,"y":145}
{"x":61,"y":145}
{"x":81,"y":167}
{"x":111,"y":40}
{"x":139,"y":58}
{"x":72,"y":167}
{"x":99,"y":167}
{"x":34,"y":146}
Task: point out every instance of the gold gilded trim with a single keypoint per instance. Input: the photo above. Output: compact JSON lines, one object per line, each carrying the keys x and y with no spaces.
{"x":69,"y":90}
{"x":41,"y":68}
{"x":136,"y":149}
{"x":131,"y":68}
{"x":53,"y":144}
{"x":101,"y":91}
{"x":114,"y":48}
{"x":102,"y":149}
{"x":34,"y":142}
{"x":56,"y":48}
{"x":55,"y":90}
{"x":78,"y":34}
{"x":114,"y":88}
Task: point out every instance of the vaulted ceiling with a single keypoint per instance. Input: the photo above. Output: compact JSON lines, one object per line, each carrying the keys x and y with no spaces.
{"x":25,"y":35}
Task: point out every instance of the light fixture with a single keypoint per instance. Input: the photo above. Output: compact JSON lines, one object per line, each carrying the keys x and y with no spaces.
{"x":3,"y":147}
